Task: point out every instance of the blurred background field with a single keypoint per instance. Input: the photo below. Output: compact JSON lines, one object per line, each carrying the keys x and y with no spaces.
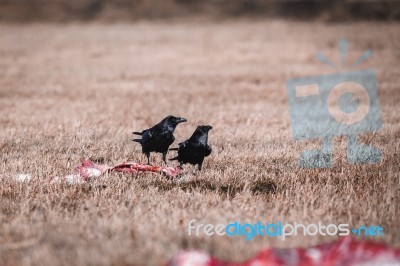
{"x":131,"y":10}
{"x":77,"y":77}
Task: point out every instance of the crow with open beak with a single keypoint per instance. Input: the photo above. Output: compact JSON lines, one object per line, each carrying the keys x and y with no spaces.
{"x":195,"y":149}
{"x":159,"y":137}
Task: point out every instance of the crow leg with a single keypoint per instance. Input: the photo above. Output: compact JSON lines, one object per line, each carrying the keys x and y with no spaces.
{"x":200,"y":164}
{"x":164,"y":157}
{"x":148,"y":157}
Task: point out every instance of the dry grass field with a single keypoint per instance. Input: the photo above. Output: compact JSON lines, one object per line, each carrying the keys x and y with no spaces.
{"x":75,"y":91}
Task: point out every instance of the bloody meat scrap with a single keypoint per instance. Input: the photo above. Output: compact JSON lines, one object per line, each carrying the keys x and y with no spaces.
{"x":89,"y":170}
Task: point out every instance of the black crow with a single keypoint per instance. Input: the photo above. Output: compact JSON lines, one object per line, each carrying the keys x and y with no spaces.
{"x":195,"y":148}
{"x":159,"y":137}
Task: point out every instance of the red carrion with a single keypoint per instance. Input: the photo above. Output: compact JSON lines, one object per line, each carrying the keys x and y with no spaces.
{"x":344,"y":252}
{"x":88,"y":170}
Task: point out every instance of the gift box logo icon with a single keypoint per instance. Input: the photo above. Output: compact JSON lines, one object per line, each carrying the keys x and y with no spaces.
{"x":338,"y":104}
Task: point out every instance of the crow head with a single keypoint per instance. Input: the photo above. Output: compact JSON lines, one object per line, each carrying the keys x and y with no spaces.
{"x":172,"y":121}
{"x":204,"y":129}
{"x":200,"y":135}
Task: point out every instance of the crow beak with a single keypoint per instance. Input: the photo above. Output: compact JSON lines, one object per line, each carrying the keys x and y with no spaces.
{"x":181,"y":120}
{"x":209,"y":127}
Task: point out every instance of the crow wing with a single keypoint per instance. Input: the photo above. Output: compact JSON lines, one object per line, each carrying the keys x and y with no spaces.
{"x":156,"y":140}
{"x":207,"y":150}
{"x":146,"y":135}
